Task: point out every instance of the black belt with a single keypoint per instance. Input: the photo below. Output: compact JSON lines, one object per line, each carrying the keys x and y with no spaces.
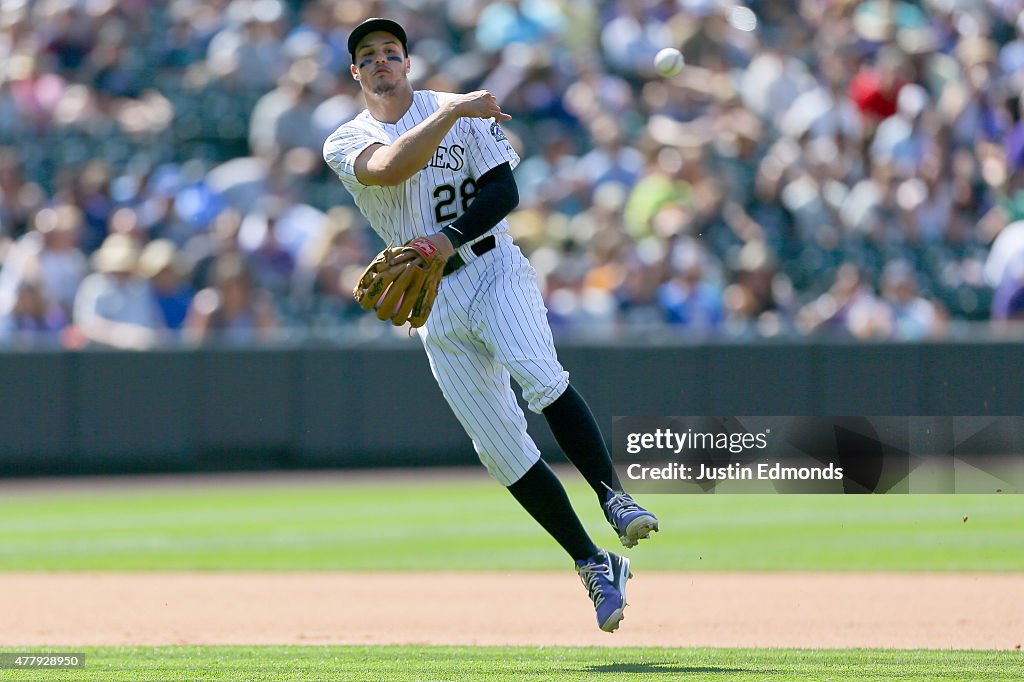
{"x":479,"y":248}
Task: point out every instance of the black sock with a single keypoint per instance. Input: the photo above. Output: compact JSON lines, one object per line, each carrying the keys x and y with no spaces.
{"x":541,"y":494}
{"x":578,"y":435}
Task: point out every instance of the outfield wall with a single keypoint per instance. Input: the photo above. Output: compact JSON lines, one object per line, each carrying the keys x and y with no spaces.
{"x":315,"y":406}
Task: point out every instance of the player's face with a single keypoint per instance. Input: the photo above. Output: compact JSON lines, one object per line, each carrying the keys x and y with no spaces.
{"x":381,"y":64}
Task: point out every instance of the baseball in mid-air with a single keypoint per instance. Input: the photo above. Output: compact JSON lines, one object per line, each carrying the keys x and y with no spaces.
{"x":669,"y":62}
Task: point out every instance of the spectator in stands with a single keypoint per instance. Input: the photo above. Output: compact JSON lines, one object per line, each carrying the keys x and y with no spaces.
{"x":517,"y":21}
{"x":20,"y":197}
{"x":29,"y":318}
{"x":283,"y":119}
{"x":549,"y":177}
{"x":1008,"y":301}
{"x":249,"y":52}
{"x":902,"y":139}
{"x":328,"y":264}
{"x":611,"y":160}
{"x":760,"y":299}
{"x":910,"y":316}
{"x":232,"y":310}
{"x":689,"y":299}
{"x":875,"y":89}
{"x":830,"y":313}
{"x":203,"y":250}
{"x":114,"y":306}
{"x":88,"y":188}
{"x":270,"y":263}
{"x":164,"y":267}
{"x":49,"y":257}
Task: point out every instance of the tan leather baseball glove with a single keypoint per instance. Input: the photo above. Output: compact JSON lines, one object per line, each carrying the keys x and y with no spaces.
{"x":402,"y":282}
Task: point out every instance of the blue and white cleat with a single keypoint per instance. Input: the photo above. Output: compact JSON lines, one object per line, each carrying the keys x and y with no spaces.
{"x":632,"y":522}
{"x":605,"y":575}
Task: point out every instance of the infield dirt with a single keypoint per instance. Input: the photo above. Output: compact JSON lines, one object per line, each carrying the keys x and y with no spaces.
{"x":806,"y":610}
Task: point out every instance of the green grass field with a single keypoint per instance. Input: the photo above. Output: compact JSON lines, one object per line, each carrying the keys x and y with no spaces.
{"x":487,"y":664}
{"x":470,"y":524}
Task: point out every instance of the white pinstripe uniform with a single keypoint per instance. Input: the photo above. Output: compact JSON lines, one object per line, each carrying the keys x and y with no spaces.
{"x":489,"y":322}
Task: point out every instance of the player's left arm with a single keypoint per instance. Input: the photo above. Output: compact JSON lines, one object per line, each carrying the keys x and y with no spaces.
{"x":491,"y":159}
{"x":496,"y":196}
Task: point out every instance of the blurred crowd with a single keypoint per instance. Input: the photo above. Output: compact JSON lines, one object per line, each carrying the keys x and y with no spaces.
{"x":824,"y":167}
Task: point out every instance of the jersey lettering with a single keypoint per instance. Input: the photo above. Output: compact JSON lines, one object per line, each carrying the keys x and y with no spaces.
{"x":448,"y":158}
{"x":468,"y":190}
{"x":446,"y":194}
{"x":443,"y":212}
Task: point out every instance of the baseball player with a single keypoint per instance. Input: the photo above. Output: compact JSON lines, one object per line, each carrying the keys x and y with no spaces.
{"x":435,"y":170}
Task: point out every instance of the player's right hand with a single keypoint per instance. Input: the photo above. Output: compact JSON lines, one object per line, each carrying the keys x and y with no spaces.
{"x":479,"y":104}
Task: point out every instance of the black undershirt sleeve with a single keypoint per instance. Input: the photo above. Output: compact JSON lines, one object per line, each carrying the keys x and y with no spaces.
{"x":496,"y":196}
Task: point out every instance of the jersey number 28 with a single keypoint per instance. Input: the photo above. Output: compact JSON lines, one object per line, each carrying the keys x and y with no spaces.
{"x":446,"y":196}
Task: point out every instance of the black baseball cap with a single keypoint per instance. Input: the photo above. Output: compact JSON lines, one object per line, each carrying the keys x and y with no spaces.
{"x":376,"y":24}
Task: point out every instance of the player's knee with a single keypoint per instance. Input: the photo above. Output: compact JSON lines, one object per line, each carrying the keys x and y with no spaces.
{"x":507,"y":468}
{"x":539,"y":395}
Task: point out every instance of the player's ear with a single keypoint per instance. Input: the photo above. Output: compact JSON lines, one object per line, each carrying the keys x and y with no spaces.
{"x":354,"y":71}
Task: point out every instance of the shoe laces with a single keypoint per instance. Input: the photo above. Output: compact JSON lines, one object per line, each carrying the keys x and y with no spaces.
{"x":620,"y":503}
{"x":591,"y":575}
